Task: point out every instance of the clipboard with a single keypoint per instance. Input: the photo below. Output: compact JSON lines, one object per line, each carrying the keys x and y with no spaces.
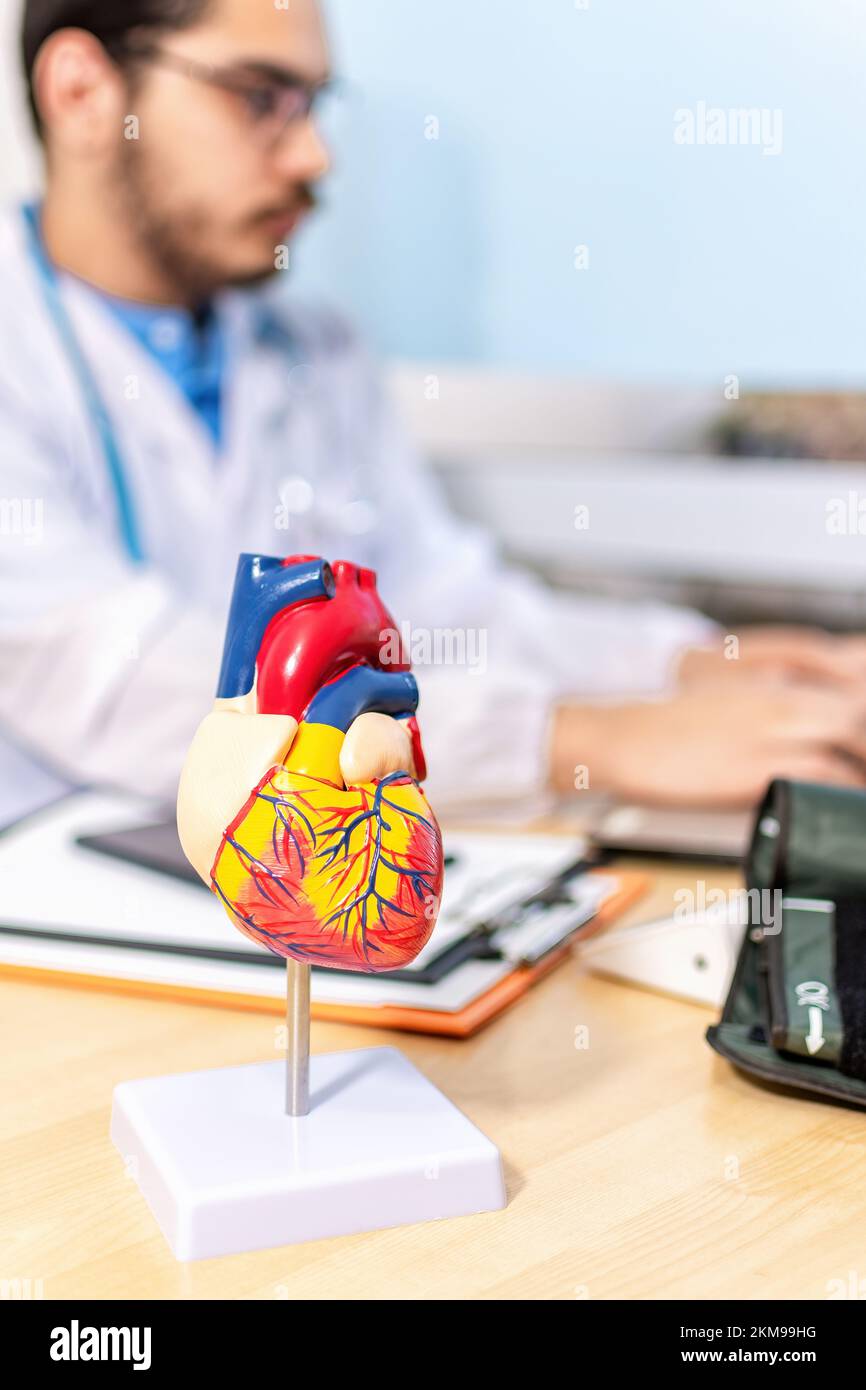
{"x":238,"y":978}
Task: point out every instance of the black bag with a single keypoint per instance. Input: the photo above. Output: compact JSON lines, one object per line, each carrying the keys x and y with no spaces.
{"x":796,"y":1011}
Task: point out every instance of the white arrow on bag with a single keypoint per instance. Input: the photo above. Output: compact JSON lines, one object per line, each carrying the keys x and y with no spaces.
{"x":815,"y":1037}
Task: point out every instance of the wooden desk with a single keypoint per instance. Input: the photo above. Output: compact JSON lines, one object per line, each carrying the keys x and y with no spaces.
{"x":642,"y":1167}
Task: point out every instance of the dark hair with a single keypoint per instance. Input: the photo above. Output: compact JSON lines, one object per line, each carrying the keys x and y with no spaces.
{"x":112,"y":22}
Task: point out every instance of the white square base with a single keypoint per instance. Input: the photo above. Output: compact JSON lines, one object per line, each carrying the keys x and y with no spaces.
{"x":224,"y":1169}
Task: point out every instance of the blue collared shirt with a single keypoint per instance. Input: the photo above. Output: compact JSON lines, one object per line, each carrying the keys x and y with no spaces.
{"x":190,"y":347}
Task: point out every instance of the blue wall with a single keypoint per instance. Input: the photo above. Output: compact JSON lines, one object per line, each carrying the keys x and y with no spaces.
{"x":556,"y":129}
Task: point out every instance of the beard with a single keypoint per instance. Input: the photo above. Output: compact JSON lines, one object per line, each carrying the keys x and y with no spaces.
{"x":176,"y":239}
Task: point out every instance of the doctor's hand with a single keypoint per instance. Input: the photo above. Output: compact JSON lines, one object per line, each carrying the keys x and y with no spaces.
{"x":777,"y":653}
{"x":708,"y":746}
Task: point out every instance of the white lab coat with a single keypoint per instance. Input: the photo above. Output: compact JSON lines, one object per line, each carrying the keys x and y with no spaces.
{"x":106,"y":668}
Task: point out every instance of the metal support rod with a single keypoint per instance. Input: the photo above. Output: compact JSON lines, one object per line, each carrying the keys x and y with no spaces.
{"x":298,"y":1038}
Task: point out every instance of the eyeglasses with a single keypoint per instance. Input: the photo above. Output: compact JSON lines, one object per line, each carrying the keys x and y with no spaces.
{"x":273,"y":101}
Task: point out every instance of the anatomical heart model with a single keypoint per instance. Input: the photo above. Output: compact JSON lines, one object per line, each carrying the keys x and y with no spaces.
{"x":299,"y":806}
{"x":299,"y":803}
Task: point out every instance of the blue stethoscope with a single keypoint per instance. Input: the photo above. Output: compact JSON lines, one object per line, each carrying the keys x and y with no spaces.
{"x":50,"y":288}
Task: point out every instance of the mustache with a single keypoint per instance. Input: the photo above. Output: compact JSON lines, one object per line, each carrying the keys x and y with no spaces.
{"x":303,"y":198}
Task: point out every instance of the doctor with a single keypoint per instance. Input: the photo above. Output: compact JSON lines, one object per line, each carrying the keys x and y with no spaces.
{"x":165,"y":404}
